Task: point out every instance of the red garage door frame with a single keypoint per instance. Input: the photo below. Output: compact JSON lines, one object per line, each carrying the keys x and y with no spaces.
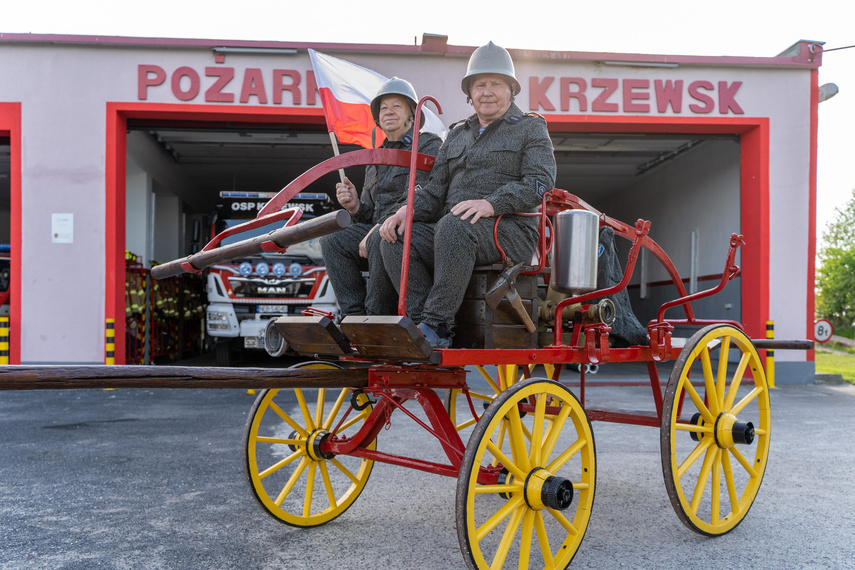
{"x":754,"y":189}
{"x":116,"y":151}
{"x":10,"y":126}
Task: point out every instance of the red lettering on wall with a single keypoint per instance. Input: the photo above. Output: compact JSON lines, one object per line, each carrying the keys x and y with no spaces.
{"x":279,"y":86}
{"x":253,"y":86}
{"x":630,"y":95}
{"x":601,"y":103}
{"x":537,"y":98}
{"x":578,"y":94}
{"x":727,"y":98}
{"x":695,"y":93}
{"x":214,"y":93}
{"x":668,"y":92}
{"x":311,"y":88}
{"x":144,"y":81}
{"x":180,"y":74}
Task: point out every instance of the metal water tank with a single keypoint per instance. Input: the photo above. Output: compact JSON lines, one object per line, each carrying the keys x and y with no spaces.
{"x":574,"y":252}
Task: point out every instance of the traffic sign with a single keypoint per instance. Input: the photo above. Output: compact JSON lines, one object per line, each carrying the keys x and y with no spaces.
{"x":822,"y":330}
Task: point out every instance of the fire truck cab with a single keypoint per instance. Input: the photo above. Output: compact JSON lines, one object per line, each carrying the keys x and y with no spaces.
{"x":247,"y":295}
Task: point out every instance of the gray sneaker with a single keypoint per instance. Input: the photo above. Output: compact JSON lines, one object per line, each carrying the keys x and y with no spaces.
{"x":433,"y":337}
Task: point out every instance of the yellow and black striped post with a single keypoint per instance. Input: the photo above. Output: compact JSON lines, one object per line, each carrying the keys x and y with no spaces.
{"x":110,"y":342}
{"x":770,"y":355}
{"x":4,"y":340}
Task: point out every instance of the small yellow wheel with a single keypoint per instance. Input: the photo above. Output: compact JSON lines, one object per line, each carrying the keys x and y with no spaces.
{"x":714,"y":449}
{"x":536,"y":441}
{"x":505,"y":375}
{"x":286,"y":472}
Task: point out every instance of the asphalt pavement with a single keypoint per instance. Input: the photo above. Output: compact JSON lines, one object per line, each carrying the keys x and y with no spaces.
{"x":144,"y":478}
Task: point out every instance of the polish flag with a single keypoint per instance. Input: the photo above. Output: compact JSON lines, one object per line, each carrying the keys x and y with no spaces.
{"x":346,"y":91}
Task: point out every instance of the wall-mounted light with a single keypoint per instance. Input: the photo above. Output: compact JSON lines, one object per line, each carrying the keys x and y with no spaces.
{"x":254,"y":51}
{"x":827,"y":91}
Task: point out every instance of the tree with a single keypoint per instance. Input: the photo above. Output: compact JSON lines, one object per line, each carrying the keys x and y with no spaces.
{"x":835,"y":276}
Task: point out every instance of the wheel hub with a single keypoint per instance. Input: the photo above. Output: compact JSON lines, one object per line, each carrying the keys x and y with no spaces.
{"x":312,"y":444}
{"x":729,"y":431}
{"x":543,"y":490}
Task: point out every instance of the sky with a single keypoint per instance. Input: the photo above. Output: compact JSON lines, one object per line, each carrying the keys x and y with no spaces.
{"x":752,"y":28}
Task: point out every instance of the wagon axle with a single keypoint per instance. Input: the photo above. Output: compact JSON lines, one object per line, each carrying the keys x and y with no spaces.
{"x":727,"y":430}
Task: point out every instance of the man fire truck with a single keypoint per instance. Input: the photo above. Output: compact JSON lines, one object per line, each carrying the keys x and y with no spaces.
{"x":245,"y":296}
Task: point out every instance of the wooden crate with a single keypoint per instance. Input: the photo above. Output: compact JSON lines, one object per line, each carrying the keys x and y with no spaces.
{"x":479,"y":326}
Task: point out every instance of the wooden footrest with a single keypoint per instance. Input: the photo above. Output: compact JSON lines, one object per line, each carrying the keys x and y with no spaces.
{"x":313,"y":335}
{"x":387,"y":338}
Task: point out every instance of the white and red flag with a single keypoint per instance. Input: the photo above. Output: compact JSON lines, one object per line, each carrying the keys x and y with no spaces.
{"x":346,"y":91}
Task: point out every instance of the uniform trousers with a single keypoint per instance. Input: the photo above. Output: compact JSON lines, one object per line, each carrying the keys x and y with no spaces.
{"x":355,"y":295}
{"x":443,"y":256}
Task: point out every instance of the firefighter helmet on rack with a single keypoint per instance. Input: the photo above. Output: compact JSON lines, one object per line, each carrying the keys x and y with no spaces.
{"x":490,"y":59}
{"x":395,"y":86}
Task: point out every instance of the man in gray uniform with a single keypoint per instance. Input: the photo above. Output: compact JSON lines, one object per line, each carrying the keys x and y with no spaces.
{"x":356,"y":248}
{"x":497,"y":162}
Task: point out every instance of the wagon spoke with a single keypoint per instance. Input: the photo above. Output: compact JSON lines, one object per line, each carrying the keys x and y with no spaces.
{"x":280,"y":464}
{"x":737,"y":380}
{"x":328,"y":484}
{"x":289,"y":486}
{"x":543,"y":540}
{"x":310,"y":489}
{"x":746,"y":400}
{"x":319,"y":406}
{"x":537,"y":432}
{"x":744,"y":462}
{"x":731,"y":484}
{"x":304,"y":407}
{"x":566,"y":455}
{"x":715,"y":499}
{"x":709,"y":382}
{"x":509,"y":464}
{"x":554,"y":432}
{"x":507,"y":539}
{"x":500,"y":515}
{"x":526,"y":538}
{"x":563,"y":521}
{"x":517,"y":439}
{"x":328,"y":423}
{"x":693,"y":456}
{"x":344,"y":470}
{"x":288,"y":420}
{"x":489,"y":379}
{"x":722,"y":371}
{"x":703,"y":477}
{"x":696,"y":399}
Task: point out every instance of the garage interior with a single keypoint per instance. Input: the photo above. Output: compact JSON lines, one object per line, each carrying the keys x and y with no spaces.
{"x":659,"y":177}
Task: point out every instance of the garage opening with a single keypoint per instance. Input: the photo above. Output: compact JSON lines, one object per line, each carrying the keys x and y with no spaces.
{"x":187,"y":181}
{"x":686,"y":185}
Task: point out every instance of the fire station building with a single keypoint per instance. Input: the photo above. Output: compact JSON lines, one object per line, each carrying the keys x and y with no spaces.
{"x":110,"y":147}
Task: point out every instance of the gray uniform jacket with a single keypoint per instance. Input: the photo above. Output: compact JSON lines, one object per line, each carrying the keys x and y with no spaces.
{"x":385,"y":188}
{"x":511,"y":168}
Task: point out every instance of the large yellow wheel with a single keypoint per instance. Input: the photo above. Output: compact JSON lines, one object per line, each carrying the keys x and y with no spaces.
{"x":714,"y":450}
{"x":286,"y":472}
{"x":504,"y":376}
{"x":536,"y":437}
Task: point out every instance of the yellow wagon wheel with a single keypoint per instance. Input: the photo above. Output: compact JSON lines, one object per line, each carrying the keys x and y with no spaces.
{"x":286,"y":472}
{"x":545,"y":459}
{"x":504,"y":376}
{"x":714,"y":450}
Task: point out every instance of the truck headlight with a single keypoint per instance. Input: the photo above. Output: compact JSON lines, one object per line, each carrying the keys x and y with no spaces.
{"x":217,"y":321}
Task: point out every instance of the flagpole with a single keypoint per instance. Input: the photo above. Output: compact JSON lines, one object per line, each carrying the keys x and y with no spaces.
{"x":335,"y":150}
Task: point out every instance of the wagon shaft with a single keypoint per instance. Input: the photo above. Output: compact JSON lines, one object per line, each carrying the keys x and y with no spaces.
{"x":71,"y":377}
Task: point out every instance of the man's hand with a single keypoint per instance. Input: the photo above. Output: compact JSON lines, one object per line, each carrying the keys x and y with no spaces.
{"x":345,"y":192}
{"x":394,"y":225}
{"x":363,"y":245}
{"x":476,"y":208}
